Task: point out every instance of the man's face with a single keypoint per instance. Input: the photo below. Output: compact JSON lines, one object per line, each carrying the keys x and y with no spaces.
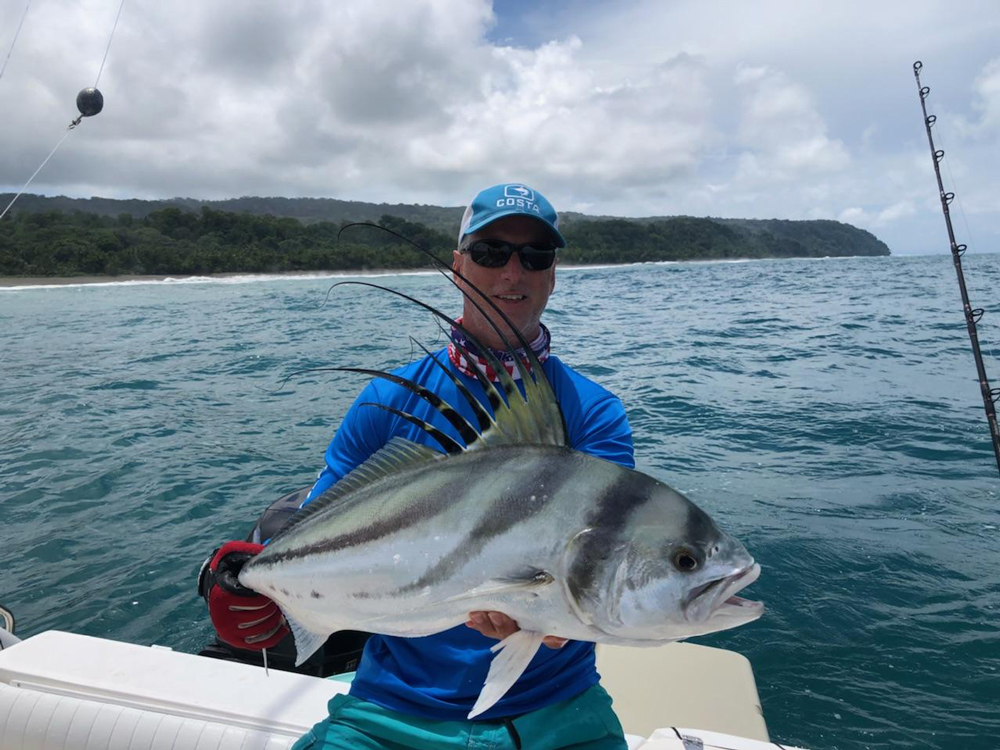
{"x":521,"y":294}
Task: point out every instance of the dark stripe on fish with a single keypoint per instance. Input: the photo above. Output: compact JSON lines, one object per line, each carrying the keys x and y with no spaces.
{"x":408,"y":516}
{"x":605,"y":525}
{"x":506,"y":512}
{"x":698,"y":524}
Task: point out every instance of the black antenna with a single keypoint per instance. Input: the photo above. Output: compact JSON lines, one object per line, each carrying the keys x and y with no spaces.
{"x":972,"y":315}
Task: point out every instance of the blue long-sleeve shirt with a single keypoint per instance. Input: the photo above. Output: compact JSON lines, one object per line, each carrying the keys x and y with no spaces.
{"x":440,"y":676}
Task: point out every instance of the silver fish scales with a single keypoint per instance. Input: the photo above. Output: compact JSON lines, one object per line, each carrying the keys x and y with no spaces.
{"x":514,"y":521}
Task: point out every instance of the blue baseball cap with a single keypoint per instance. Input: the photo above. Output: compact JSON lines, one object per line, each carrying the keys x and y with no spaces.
{"x":509,"y":199}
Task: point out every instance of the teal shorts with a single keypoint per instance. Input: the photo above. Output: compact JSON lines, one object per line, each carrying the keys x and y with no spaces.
{"x":585,"y":722}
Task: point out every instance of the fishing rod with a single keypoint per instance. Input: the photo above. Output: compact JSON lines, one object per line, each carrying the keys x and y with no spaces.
{"x":972,"y":315}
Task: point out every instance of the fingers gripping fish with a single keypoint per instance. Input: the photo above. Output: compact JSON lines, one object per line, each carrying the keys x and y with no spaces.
{"x":513,"y":521}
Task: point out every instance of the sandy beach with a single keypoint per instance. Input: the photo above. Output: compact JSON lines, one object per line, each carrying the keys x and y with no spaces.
{"x":24,"y":281}
{"x":19,"y":281}
{"x":8,"y":281}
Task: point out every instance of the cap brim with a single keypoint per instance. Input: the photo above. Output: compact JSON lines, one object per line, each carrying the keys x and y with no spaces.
{"x":560,"y":240}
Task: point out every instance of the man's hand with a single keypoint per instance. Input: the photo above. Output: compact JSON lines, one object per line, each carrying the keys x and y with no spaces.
{"x":498,"y":625}
{"x":242,"y":618}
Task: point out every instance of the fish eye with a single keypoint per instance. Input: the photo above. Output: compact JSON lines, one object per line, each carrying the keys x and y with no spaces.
{"x":685,"y":561}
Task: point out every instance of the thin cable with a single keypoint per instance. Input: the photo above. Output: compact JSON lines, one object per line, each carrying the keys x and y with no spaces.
{"x":14,"y":41}
{"x":68,"y":130}
{"x":75,"y":122}
{"x":957,"y":190}
{"x":965,"y":219}
{"x":110,"y":39}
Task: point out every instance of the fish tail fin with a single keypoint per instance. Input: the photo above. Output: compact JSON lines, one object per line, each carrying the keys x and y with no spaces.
{"x":307,"y":642}
{"x":513,"y":654}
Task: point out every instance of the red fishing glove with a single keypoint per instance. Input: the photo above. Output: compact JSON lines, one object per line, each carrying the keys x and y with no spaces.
{"x":242,"y":617}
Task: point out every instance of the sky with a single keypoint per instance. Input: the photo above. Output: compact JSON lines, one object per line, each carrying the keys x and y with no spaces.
{"x":791,"y":109}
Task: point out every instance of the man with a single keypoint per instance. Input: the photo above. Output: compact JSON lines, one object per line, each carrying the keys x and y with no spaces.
{"x":416,"y":692}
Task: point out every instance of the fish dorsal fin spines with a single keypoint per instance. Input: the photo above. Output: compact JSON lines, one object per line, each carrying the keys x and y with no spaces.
{"x":516,"y":420}
{"x":450,"y":445}
{"x":533,"y":417}
{"x":514,"y":423}
{"x":398,"y":454}
{"x":483,"y":416}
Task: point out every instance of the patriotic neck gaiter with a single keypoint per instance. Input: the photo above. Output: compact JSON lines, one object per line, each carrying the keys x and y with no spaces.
{"x":540,"y":346}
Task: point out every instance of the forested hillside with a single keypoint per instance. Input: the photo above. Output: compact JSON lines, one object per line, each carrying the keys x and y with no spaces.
{"x":65,"y":237}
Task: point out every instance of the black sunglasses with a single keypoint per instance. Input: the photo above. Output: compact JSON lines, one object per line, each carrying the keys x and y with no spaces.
{"x":496,"y":253}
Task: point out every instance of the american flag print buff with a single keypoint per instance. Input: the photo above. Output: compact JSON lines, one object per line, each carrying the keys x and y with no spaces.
{"x":540,"y":346}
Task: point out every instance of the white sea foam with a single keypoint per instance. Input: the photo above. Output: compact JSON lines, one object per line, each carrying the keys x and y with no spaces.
{"x":254,"y":278}
{"x":233,"y":279}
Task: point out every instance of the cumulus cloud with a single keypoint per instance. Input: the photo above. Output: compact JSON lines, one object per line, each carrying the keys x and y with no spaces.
{"x":985,"y":121}
{"x":876,"y":219}
{"x":545,"y":115}
{"x":646,"y":108}
{"x":376,"y":101}
{"x":781,"y":129}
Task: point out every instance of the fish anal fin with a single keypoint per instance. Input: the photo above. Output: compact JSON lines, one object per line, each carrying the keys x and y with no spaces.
{"x":307,"y":642}
{"x":513,"y":654}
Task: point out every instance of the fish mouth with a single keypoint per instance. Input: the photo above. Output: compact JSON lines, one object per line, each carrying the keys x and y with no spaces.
{"x":708,"y":599}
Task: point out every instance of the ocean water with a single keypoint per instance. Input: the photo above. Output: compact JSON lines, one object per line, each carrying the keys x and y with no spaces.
{"x":826,"y":412}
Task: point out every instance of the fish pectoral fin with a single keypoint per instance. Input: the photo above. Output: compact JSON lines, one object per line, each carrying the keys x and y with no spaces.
{"x":534,"y":579}
{"x":307,"y":642}
{"x":513,"y":654}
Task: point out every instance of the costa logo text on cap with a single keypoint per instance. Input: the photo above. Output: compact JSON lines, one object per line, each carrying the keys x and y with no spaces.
{"x":509,"y":199}
{"x":519,"y":191}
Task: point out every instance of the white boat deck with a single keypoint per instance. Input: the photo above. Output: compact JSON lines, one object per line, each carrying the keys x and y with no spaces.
{"x":60,"y":691}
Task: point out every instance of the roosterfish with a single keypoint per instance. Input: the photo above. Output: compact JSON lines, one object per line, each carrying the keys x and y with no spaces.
{"x":514,"y":520}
